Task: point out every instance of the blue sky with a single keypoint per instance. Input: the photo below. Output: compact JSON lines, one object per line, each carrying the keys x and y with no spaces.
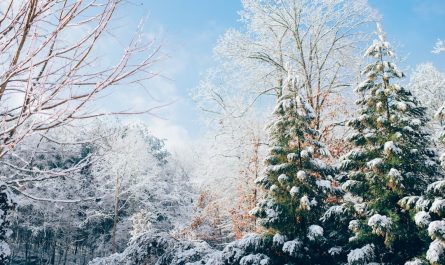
{"x":414,"y":26}
{"x":188,"y":31}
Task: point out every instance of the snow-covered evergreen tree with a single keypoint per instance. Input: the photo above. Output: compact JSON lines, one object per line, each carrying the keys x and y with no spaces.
{"x":428,"y":213}
{"x":391,"y":160}
{"x":298,"y":183}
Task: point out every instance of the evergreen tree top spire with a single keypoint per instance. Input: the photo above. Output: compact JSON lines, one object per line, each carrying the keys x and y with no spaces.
{"x":380,"y":47}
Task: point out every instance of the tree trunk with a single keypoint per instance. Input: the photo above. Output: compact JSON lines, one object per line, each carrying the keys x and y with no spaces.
{"x":116,"y":212}
{"x":53,"y":255}
{"x":66,"y":254}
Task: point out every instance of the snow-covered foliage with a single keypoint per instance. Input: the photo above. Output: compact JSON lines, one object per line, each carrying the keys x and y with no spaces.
{"x":354,"y":226}
{"x":361,"y":256}
{"x":429,"y":212}
{"x":253,"y":244}
{"x":422,"y":219}
{"x":162,"y":249}
{"x":392,"y":164}
{"x":436,"y":252}
{"x":380,"y":224}
{"x":85,"y":207}
{"x":131,"y":160}
{"x":436,"y":230}
{"x":255,"y":259}
{"x":334,"y":251}
{"x":375,"y":164}
{"x":438,"y":207}
{"x":315,"y":232}
{"x":158,"y":248}
{"x":7,"y":204}
{"x":279,"y":239}
{"x":436,"y":188}
{"x":415,"y":261}
{"x":427,"y":83}
{"x":336,"y":212}
{"x":297,"y":183}
{"x":140,"y":224}
{"x":390,"y":148}
{"x":293,"y":248}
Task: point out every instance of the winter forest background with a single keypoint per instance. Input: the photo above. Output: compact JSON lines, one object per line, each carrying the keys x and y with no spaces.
{"x":319,"y":137}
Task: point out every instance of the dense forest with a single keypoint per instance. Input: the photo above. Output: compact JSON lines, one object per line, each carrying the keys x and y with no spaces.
{"x":318,"y":149}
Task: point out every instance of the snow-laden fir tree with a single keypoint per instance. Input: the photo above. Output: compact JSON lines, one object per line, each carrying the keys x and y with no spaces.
{"x":428,"y":213}
{"x":391,"y":160}
{"x":296,"y":181}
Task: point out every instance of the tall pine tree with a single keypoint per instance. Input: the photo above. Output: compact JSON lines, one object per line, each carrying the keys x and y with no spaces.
{"x":391,"y":160}
{"x":297,"y":182}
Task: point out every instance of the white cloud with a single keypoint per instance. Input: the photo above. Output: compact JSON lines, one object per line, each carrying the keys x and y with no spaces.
{"x":178,"y":138}
{"x":439,"y":47}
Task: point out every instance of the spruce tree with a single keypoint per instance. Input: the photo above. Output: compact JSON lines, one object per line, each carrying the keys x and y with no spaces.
{"x":428,"y":212}
{"x":391,"y":160}
{"x":296,"y":181}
